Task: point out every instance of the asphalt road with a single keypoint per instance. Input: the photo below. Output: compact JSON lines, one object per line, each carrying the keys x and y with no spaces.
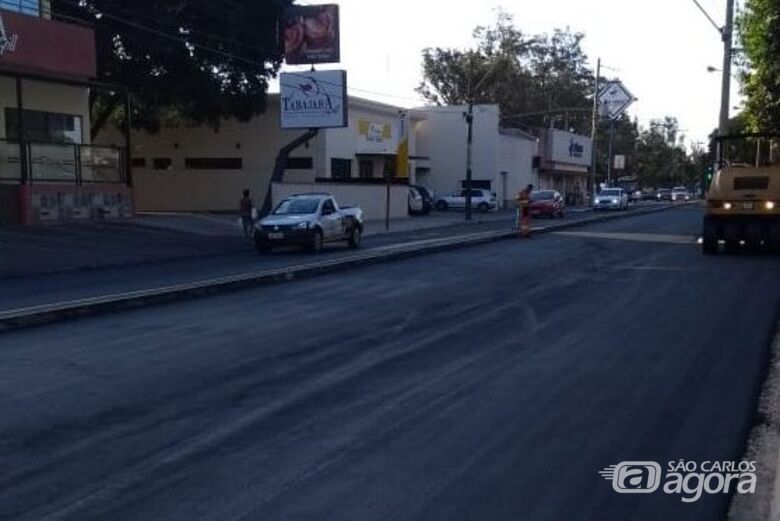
{"x":155,"y":258}
{"x":490,"y":383}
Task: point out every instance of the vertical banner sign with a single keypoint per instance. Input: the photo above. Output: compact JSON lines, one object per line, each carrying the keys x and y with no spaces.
{"x":310,"y":34}
{"x":316,"y":99}
{"x":402,"y":155}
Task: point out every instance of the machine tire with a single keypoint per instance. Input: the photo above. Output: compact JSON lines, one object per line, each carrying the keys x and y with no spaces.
{"x":710,"y":236}
{"x":483,"y":208}
{"x":442,"y":206}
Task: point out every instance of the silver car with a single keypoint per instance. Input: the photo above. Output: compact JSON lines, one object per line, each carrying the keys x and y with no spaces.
{"x":481,"y":200}
{"x":611,"y":199}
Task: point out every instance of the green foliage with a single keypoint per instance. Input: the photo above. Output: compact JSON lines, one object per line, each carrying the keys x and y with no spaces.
{"x":531,"y":77}
{"x":193,"y":60}
{"x":760,"y":31}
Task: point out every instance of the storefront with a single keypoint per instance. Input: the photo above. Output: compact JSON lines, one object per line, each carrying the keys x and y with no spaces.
{"x":49,"y":170}
{"x":565,"y":165}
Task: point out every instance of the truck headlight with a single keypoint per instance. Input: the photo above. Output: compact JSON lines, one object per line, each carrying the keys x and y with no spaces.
{"x":303,"y":225}
{"x":770,"y":205}
{"x":727,"y":206}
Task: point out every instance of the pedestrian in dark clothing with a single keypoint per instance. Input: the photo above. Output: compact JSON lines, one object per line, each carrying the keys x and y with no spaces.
{"x":246,"y":206}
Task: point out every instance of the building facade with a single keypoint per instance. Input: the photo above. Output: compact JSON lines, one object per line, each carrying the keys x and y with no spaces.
{"x":565,"y":165}
{"x":502,"y":159}
{"x":200,"y":169}
{"x":49,"y":170}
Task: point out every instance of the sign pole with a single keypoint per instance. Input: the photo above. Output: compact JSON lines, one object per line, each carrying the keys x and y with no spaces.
{"x":610,"y":157}
{"x":593,"y":131}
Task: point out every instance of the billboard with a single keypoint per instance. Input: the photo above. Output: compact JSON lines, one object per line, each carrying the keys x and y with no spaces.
{"x":315,"y":99}
{"x":567,"y":147}
{"x":32,"y":45}
{"x":374,"y":137}
{"x":310,"y":34}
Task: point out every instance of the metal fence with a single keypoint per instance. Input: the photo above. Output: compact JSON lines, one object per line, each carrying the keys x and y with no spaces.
{"x":62,"y":163}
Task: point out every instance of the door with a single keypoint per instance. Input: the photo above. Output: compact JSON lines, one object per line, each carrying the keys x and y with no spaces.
{"x":331,"y":221}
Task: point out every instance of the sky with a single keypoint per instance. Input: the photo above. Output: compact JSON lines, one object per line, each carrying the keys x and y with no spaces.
{"x":660,"y":49}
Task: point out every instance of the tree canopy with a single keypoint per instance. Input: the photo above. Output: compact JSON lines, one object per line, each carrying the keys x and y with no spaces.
{"x":532,"y":77}
{"x":195,"y":60}
{"x":759,"y":26}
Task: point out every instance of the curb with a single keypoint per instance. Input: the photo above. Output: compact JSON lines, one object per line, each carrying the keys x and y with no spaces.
{"x":50,"y":313}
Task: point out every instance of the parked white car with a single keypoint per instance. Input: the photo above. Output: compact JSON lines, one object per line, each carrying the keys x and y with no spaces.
{"x":680,"y":194}
{"x":611,"y":199}
{"x":481,"y":201}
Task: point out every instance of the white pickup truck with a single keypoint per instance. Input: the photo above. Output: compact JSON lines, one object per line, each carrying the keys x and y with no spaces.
{"x":310,"y":221}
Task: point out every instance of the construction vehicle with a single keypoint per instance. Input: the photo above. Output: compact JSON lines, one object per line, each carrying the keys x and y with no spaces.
{"x":743,"y":200}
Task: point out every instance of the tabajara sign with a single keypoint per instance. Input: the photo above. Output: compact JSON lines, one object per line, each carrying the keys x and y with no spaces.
{"x":615,"y":98}
{"x":316,"y":99}
{"x":7,"y":41}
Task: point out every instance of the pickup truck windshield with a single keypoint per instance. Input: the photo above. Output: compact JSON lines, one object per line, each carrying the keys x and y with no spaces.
{"x":610,"y":193}
{"x":297,"y":207}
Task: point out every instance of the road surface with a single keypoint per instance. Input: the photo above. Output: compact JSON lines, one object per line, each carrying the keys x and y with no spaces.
{"x":491,"y":383}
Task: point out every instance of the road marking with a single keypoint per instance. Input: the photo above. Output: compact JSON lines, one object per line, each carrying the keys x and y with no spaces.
{"x":636,"y":237}
{"x":653,"y":268}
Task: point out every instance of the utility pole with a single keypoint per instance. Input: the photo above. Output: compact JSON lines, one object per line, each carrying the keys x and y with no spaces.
{"x":609,"y":155}
{"x":594,"y":129}
{"x":469,"y":142}
{"x":728,"y":38}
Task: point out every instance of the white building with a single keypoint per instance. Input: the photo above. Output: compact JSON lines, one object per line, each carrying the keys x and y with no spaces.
{"x":502,"y":159}
{"x":565,"y":165}
{"x":199,"y":169}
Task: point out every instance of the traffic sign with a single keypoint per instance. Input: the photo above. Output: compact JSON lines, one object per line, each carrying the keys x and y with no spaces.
{"x":615,"y":98}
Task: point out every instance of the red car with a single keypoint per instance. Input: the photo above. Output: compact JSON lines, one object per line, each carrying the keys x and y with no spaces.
{"x":547,"y":203}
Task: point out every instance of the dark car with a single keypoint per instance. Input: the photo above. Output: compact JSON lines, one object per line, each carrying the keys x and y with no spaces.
{"x":547,"y":203}
{"x":648,"y":194}
{"x":664,"y":194}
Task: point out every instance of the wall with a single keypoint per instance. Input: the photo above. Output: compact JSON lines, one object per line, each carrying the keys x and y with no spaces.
{"x":370,"y":198}
{"x":442,"y":137}
{"x":179,"y":189}
{"x":516,"y":155}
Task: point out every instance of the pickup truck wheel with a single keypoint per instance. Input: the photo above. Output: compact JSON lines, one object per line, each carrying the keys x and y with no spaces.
{"x":316,"y":242}
{"x":442,"y":206}
{"x":355,"y":236}
{"x":483,"y":208}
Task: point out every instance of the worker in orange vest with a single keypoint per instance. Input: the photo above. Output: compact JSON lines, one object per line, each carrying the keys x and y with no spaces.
{"x":524,"y":211}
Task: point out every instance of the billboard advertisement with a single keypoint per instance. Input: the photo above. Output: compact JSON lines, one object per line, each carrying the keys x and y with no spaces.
{"x":310,"y":34}
{"x":375,"y":137}
{"x":567,"y":147}
{"x":315,"y":99}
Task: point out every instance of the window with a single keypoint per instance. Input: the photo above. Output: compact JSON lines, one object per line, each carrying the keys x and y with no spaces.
{"x":138,"y":162}
{"x":328,"y":208}
{"x":300,"y":163}
{"x":162,"y":163}
{"x":213,"y":163}
{"x":45,"y":127}
{"x":30,"y":7}
{"x":340,"y":168}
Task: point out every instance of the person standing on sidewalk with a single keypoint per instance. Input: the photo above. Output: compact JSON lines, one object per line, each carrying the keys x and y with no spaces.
{"x":245,"y":207}
{"x":524,"y":211}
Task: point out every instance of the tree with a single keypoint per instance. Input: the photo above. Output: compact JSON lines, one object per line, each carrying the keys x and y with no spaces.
{"x":191,"y":60}
{"x":760,"y":31}
{"x":535,"y":80}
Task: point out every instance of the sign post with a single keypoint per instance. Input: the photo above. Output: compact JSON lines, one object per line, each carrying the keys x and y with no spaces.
{"x":615,"y":98}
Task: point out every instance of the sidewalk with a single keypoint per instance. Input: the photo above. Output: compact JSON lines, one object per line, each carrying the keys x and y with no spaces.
{"x":154,"y":238}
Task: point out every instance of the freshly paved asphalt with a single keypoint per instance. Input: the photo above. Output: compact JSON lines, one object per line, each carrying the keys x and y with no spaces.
{"x":490,"y":383}
{"x":131,"y":258}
